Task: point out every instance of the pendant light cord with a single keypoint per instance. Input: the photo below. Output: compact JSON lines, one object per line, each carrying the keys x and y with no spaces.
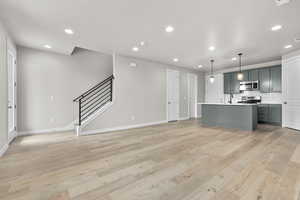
{"x":240,"y":55}
{"x":211,"y":67}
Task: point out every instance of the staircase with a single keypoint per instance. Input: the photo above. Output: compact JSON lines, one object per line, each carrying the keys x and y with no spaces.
{"x":92,"y":103}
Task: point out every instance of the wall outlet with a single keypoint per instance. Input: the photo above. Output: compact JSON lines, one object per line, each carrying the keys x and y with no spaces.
{"x":133,"y":118}
{"x":52,"y":98}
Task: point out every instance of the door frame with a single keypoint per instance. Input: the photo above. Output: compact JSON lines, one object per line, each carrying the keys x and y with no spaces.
{"x":11,"y":135}
{"x":196,"y":95}
{"x":167,"y":94}
{"x":284,"y":93}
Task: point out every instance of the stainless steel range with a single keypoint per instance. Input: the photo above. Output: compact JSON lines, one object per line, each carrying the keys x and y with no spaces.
{"x":250,"y":99}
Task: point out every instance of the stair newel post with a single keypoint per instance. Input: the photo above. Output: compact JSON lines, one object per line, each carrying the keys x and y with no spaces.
{"x":79,"y":119}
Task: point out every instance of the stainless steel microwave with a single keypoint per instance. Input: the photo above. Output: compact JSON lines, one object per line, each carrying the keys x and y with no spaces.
{"x":249,"y":86}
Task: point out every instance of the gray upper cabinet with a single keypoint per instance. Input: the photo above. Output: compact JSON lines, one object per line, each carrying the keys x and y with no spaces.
{"x":254,"y":75}
{"x":275,"y":79}
{"x":235,"y":84}
{"x":227,"y":83}
{"x":231,"y":83}
{"x":269,"y":80}
{"x":264,"y":80}
{"x":246,"y":75}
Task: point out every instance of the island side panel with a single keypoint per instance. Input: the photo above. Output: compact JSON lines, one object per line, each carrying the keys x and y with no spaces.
{"x":243,"y":117}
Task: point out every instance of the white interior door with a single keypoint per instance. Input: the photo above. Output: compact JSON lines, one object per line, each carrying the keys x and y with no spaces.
{"x":11,"y":68}
{"x":172,"y":95}
{"x":291,"y":94}
{"x":193,"y":88}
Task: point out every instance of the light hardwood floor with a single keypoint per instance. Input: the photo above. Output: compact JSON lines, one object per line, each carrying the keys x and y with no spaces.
{"x":176,"y":161}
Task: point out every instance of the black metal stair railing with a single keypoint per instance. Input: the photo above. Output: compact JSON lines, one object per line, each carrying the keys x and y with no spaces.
{"x":94,"y":99}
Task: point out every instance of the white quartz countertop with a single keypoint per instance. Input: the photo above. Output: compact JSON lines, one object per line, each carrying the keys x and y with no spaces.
{"x":228,"y":104}
{"x":238,"y":104}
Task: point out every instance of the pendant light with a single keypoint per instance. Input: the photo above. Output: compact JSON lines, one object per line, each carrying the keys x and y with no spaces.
{"x":240,"y":75}
{"x":211,"y":77}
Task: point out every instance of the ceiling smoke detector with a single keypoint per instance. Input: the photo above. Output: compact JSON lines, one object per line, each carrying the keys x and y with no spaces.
{"x":282,"y":2}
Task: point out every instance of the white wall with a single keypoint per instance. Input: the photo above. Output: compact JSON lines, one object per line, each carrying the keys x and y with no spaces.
{"x":48,"y":82}
{"x":5,"y":44}
{"x":214,"y":91}
{"x":140,"y":94}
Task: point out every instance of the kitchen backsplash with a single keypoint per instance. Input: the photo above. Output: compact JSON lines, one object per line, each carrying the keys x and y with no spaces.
{"x":266,"y":97}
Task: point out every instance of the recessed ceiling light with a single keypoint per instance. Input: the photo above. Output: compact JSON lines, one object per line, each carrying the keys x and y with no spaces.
{"x":282,"y":2}
{"x":234,"y":59}
{"x":169,"y":29}
{"x":69,"y":31}
{"x":276,"y":28}
{"x":200,"y":66}
{"x":135,"y":49}
{"x":132,"y":64}
{"x":142,"y":43}
{"x":175,"y":59}
{"x":288,"y":46}
{"x":212,"y":48}
{"x":47,"y":46}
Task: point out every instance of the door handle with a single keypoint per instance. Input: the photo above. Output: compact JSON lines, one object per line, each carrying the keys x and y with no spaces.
{"x":285,"y":102}
{"x":10,"y":107}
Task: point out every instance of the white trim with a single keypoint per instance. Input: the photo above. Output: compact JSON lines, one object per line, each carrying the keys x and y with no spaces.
{"x":291,"y":59}
{"x":93,"y":132}
{"x":45,"y":131}
{"x":167,"y":103}
{"x":12,"y":136}
{"x":195,"y":110}
{"x":167,"y":98}
{"x":184,"y":118}
{"x":3,"y":150}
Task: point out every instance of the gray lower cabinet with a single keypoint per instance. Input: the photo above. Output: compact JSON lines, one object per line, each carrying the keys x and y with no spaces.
{"x":263,"y":113}
{"x":270,"y":113}
{"x":275,"y":114}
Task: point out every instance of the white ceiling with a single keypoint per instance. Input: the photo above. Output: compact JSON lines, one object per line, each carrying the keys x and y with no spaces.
{"x":232,"y":26}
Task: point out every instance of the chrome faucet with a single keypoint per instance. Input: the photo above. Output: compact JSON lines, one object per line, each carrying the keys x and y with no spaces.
{"x":231,"y":97}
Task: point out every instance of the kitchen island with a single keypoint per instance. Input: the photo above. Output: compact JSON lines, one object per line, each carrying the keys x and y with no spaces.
{"x":236,"y":116}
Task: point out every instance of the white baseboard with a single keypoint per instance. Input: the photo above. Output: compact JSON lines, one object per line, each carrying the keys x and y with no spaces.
{"x":93,"y":132}
{"x":3,"y":150}
{"x":12,"y":137}
{"x":184,"y":118}
{"x":45,"y":131}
